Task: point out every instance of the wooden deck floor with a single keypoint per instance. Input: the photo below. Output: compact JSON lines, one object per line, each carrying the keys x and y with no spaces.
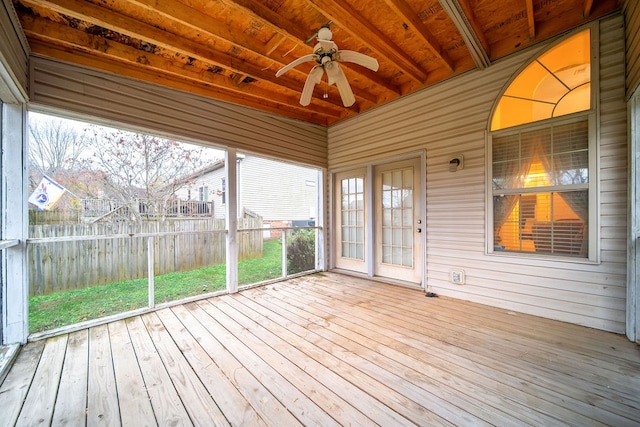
{"x":327,"y":350}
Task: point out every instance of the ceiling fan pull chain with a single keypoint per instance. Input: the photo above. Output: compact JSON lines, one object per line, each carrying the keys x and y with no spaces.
{"x":325,"y":95}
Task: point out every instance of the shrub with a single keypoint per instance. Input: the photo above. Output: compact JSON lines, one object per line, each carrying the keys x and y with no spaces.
{"x":301,"y":251}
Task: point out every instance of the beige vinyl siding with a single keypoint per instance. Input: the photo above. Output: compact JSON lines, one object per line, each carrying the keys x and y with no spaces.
{"x":14,"y":54}
{"x":117,"y":100}
{"x":214,"y":181}
{"x":451,"y":118}
{"x":632,"y":18}
{"x":276,"y":190}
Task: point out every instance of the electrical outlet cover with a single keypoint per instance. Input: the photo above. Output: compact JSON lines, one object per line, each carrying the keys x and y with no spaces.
{"x":457,"y":277}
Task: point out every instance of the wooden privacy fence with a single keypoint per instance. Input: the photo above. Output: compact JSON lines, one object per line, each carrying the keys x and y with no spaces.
{"x":59,"y":266}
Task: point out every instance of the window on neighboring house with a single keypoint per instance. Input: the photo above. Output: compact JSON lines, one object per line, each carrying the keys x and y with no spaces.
{"x":224,"y":190}
{"x":542,"y":156}
{"x":203,"y":194}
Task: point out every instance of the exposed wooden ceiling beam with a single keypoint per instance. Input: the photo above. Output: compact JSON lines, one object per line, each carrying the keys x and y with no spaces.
{"x":531,"y":19}
{"x":404,"y":11}
{"x":189,"y":17}
{"x":352,"y":22}
{"x":49,"y":38}
{"x":279,"y":24}
{"x":126,"y":70}
{"x":586,"y":11}
{"x":293,"y":33}
{"x":275,"y":42}
{"x":119,"y":23}
{"x":107,"y":19}
{"x":478,"y":32}
{"x":186,"y":16}
{"x":469,"y":33}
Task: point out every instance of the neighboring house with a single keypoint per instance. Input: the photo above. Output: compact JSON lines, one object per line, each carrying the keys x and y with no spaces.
{"x":283,"y":194}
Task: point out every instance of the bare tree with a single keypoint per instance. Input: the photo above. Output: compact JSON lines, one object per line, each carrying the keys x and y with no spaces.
{"x":142,"y":171}
{"x":55,"y":145}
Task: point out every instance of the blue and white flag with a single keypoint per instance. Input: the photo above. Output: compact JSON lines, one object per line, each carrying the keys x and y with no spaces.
{"x":46,"y":194}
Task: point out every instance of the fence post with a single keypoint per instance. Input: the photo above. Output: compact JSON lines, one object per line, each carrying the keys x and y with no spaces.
{"x":284,"y":253}
{"x":150,"y":271}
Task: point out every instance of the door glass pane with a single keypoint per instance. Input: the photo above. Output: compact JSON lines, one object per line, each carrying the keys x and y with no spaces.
{"x":397,"y":217}
{"x":353,"y":218}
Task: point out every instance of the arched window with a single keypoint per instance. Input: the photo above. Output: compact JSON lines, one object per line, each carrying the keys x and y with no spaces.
{"x":556,"y":83}
{"x":540,"y":154}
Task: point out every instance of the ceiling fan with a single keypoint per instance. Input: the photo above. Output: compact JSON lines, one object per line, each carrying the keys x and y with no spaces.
{"x":327,"y":56}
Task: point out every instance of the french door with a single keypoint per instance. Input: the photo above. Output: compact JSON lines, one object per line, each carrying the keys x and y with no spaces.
{"x":351,"y":231}
{"x":379,"y":221}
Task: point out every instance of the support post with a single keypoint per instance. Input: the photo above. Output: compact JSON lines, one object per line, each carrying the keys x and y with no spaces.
{"x":284,"y":253}
{"x":15,"y":298}
{"x":151,"y":272}
{"x":231,"y":218}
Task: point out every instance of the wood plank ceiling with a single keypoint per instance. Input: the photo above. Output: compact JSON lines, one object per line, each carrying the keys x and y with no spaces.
{"x":230,"y":50}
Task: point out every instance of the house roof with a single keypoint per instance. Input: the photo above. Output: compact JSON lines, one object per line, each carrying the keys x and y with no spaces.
{"x":230,"y":50}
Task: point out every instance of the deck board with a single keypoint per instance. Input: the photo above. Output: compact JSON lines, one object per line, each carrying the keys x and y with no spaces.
{"x":40,"y":400}
{"x":320,"y":364}
{"x":133,"y":399}
{"x":17,"y":383}
{"x":71,"y":404}
{"x":167,"y":405}
{"x":254,"y":390}
{"x":226,"y":395}
{"x":201,"y":407}
{"x":327,"y":349}
{"x":102,"y":393}
{"x":295,"y":367}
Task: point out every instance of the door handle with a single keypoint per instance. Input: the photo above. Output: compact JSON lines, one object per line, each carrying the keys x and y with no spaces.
{"x":419,"y":230}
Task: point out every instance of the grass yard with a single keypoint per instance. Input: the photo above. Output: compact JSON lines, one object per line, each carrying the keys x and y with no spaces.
{"x":66,"y":308}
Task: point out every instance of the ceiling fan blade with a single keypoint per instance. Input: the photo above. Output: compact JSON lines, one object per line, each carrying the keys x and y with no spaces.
{"x":358,"y":58}
{"x":314,"y":77}
{"x":336,"y":76}
{"x":306,"y":58}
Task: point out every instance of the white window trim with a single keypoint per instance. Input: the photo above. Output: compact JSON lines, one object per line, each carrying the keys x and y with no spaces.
{"x":594,"y":160}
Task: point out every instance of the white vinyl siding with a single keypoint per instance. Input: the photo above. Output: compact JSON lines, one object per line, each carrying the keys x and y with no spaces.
{"x":451,"y":118}
{"x":142,"y":106}
{"x":14,"y":55}
{"x":277,"y":191}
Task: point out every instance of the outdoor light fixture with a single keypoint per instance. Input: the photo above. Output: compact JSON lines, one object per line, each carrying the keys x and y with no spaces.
{"x":456,"y":162}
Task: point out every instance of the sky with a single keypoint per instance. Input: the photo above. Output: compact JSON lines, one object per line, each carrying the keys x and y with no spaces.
{"x":209,"y":154}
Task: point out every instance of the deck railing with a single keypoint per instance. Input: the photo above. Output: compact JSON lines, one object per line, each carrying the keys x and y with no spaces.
{"x":109,"y":209}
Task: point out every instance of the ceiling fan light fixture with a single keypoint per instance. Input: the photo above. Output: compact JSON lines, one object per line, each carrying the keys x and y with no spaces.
{"x":324,"y":33}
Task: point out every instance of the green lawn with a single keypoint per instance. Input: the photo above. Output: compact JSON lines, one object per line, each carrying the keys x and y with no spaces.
{"x":66,"y":308}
